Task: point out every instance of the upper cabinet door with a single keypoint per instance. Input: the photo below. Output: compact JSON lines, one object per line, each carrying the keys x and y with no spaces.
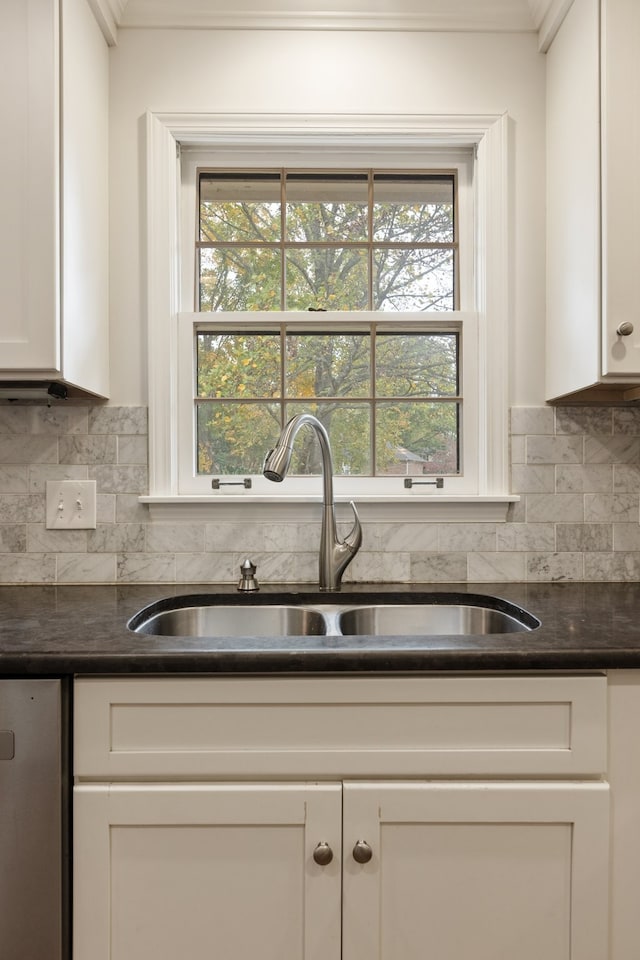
{"x":620,"y":27}
{"x":29,"y":178}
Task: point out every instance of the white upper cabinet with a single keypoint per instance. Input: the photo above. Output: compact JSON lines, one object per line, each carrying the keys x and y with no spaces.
{"x":593,"y":203}
{"x":53,"y":195}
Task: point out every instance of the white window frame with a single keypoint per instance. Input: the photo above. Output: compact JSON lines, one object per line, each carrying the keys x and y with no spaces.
{"x":242,"y":139}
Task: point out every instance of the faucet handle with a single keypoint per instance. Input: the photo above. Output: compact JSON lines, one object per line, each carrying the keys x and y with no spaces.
{"x":353,"y":539}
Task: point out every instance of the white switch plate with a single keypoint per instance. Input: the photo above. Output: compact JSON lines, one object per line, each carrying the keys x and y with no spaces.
{"x":71,"y":505}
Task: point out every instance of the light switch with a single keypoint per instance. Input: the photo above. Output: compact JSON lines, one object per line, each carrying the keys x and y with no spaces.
{"x":71,"y":504}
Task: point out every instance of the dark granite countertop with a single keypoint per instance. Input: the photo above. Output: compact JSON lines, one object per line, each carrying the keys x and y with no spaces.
{"x":57,"y":630}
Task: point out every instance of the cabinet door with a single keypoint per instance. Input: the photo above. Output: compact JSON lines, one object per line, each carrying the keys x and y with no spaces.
{"x":478,"y":870}
{"x":620,"y":186}
{"x":206,"y":870}
{"x":29,"y":186}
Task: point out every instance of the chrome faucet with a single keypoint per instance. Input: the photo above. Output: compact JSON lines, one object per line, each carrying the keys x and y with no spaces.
{"x":335,"y":555}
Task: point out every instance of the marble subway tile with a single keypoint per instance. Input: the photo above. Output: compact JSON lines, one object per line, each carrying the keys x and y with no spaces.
{"x":528,"y":478}
{"x":369,"y":567}
{"x":555,"y":450}
{"x":626,"y":420}
{"x":526,"y":536}
{"x":584,"y":478}
{"x":287,"y":537}
{"x":14,"y":418}
{"x":496,"y":566}
{"x":41,"y":540}
{"x":584,"y":537}
{"x":117,"y":420}
{"x":584,"y":420}
{"x":620,"y":507}
{"x":407,"y":537}
{"x":13,"y":538}
{"x":626,"y":477}
{"x":460,"y":537}
{"x":123,"y":478}
{"x":39,"y":474}
{"x":106,"y":508}
{"x":145,"y":568}
{"x":231,"y":537}
{"x":548,"y":508}
{"x":117,"y":538}
{"x":130,"y":510}
{"x":281,"y":567}
{"x":620,"y":449}
{"x":57,"y":420}
{"x":554,"y":566}
{"x":532,"y":420}
{"x":518,"y":450}
{"x":86,"y":568}
{"x":27,"y":568}
{"x":28,"y":449}
{"x":206,"y":568}
{"x":14,"y":478}
{"x":626,"y":537}
{"x":174,"y":537}
{"x":132,"y":449}
{"x":88,"y":450}
{"x":13,"y":507}
{"x":613,"y":567}
{"x":438,"y":567}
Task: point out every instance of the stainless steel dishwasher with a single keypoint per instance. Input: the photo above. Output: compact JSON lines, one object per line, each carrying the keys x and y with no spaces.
{"x":34,"y":860}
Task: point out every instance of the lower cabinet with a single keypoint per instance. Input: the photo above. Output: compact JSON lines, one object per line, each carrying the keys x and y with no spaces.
{"x":371,"y":870}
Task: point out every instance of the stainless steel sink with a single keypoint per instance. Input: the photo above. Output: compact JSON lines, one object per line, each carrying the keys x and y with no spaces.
{"x":220,"y":620}
{"x":417,"y":620}
{"x":434,"y":614}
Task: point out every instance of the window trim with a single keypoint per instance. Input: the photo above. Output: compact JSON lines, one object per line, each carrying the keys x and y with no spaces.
{"x":487,"y":134}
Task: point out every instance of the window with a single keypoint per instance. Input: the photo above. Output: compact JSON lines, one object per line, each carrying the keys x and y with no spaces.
{"x":403,"y":354}
{"x":388,"y":394}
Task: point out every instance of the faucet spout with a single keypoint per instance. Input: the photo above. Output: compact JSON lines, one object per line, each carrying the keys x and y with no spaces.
{"x":335,"y":554}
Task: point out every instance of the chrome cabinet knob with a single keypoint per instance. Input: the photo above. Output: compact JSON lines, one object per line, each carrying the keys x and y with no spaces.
{"x":323,"y":854}
{"x":624,"y":329}
{"x":362,"y":852}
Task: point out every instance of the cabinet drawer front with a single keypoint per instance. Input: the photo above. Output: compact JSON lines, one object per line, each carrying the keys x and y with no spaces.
{"x":336,"y":726}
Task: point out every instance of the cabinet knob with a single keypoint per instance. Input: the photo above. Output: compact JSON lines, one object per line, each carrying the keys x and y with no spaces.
{"x":362,"y":852}
{"x":323,"y":854}
{"x":624,"y":329}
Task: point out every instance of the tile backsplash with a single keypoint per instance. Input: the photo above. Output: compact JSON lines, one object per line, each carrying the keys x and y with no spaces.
{"x":576,"y":469}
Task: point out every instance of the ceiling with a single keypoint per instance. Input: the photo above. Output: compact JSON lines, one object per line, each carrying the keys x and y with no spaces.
{"x":541,"y":16}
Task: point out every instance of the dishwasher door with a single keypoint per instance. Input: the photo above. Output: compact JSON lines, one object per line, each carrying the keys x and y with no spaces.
{"x":33,"y":833}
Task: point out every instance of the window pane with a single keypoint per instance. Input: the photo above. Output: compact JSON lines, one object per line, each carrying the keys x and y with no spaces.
{"x":327,"y":365}
{"x":410,"y":209}
{"x":415,"y":439}
{"x":326,"y":278}
{"x":238,"y":365}
{"x":236,"y":207}
{"x":349,"y":429}
{"x":417,"y":364}
{"x":326,"y":207}
{"x":234,"y":437}
{"x":413,"y":280}
{"x":240,"y":279}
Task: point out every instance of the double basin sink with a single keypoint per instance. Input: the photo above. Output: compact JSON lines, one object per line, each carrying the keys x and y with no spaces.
{"x":433,"y":614}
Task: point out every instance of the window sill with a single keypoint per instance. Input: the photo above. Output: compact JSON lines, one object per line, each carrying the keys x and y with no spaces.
{"x":239,"y":506}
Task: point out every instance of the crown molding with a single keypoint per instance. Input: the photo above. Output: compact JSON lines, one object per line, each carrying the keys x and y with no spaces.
{"x":547,"y":16}
{"x":109,"y":14}
{"x":464,"y":15}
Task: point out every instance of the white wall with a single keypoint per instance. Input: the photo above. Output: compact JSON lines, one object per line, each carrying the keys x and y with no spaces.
{"x":325,"y":72}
